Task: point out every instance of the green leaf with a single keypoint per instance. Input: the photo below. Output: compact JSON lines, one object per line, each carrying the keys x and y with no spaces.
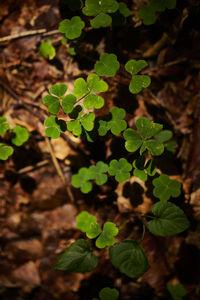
{"x":164,"y":187}
{"x":133,"y":140}
{"x":102,"y":127}
{"x":81,"y":180}
{"x":72,"y":28}
{"x":80,"y":88}
{"x":106,"y":238}
{"x":88,"y":224}
{"x":108,"y":65}
{"x":77,"y":258}
{"x":150,"y":168}
{"x":171,"y":146}
{"x":3,"y":125}
{"x":95,"y":84}
{"x":177,"y":291}
{"x":123,"y":9}
{"x":147,"y":128}
{"x":147,"y":13}
{"x":94,"y":7}
{"x":93,"y":101}
{"x":58,"y":89}
{"x":129,"y":258}
{"x":120,"y":169}
{"x":5,"y":151}
{"x":71,"y":51}
{"x":169,"y":219}
{"x":53,"y":103}
{"x":163,"y":135}
{"x":134,"y":66}
{"x":142,"y":170}
{"x":108,"y":294}
{"x":47,"y":50}
{"x":54,"y":127}
{"x":98,"y":172}
{"x":68,"y":103}
{"x":139,"y":82}
{"x":20,"y":135}
{"x":155,"y":148}
{"x":116,"y":124}
{"x":87,"y":121}
{"x":75,"y":127}
{"x":101,"y":20}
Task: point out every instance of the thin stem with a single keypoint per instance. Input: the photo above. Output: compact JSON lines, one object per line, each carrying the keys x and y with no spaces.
{"x":143,"y":233}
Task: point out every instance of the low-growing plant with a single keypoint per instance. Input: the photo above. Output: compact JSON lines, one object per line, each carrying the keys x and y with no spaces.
{"x":18,"y":135}
{"x":146,"y":139}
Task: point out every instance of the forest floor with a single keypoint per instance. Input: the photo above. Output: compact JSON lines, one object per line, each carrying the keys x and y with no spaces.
{"x":38,"y":205}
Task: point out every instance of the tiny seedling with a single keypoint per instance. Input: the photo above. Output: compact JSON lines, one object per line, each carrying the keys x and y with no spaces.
{"x":47,"y":50}
{"x":108,"y":294}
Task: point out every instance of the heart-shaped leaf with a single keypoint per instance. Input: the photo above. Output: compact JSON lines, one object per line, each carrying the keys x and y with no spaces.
{"x":20,"y":135}
{"x":93,"y":101}
{"x":95,"y":84}
{"x":108,"y":65}
{"x":164,"y":187}
{"x":47,"y":50}
{"x":77,"y":258}
{"x":54,"y":127}
{"x":147,"y":128}
{"x":177,"y":291}
{"x":169,"y":219}
{"x":133,"y":140}
{"x":155,"y":148}
{"x":138,"y":83}
{"x":101,"y":20}
{"x":80,"y":88}
{"x":53,"y":103}
{"x":4,"y":126}
{"x":87,"y":121}
{"x":5,"y":151}
{"x":134,"y":66}
{"x":106,"y":238}
{"x":129,"y":258}
{"x":88,"y":224}
{"x":108,"y":294}
{"x":68,"y":103}
{"x":58,"y":89}
{"x":116,"y":124}
{"x":163,"y":135}
{"x":94,"y":7}
{"x":75,"y":127}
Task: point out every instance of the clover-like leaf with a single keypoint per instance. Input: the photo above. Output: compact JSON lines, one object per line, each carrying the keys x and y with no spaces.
{"x":133,"y":140}
{"x":169,"y":219}
{"x":164,"y":187}
{"x":87,"y":121}
{"x":98,"y":171}
{"x":47,"y":50}
{"x":77,"y":258}
{"x":147,"y":128}
{"x":68,"y":103}
{"x":147,"y":13}
{"x":88,"y":224}
{"x":80,"y":88}
{"x":139,"y":82}
{"x":4,"y":126}
{"x":95,"y":84}
{"x":93,"y":101}
{"x":20,"y":135}
{"x":116,"y":124}
{"x":155,"y":148}
{"x":123,"y":9}
{"x":120,"y":169}
{"x":101,"y":20}
{"x":75,"y":127}
{"x":134,"y":66}
{"x":53,"y":103}
{"x":129,"y":258}
{"x":177,"y":291}
{"x":94,"y":7}
{"x":5,"y":151}
{"x":163,"y":135}
{"x":106,"y":238}
{"x":72,"y":28}
{"x":81,"y":180}
{"x":54,"y":127}
{"x":58,"y":89}
{"x":108,"y":294}
{"x":108,"y":65}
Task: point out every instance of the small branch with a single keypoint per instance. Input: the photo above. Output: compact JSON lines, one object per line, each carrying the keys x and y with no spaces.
{"x":28,"y":33}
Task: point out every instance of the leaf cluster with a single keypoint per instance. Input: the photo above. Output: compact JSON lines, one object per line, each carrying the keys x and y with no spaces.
{"x":147,"y":12}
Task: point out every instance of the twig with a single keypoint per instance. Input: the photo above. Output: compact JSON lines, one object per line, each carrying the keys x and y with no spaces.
{"x":28,"y":33}
{"x":33,"y":168}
